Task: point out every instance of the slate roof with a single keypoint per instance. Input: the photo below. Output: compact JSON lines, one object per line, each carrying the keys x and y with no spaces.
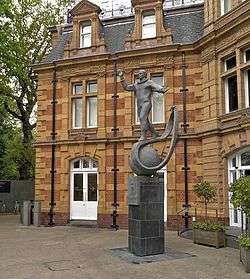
{"x":186,"y":27}
{"x":57,"y":51}
{"x":115,"y":36}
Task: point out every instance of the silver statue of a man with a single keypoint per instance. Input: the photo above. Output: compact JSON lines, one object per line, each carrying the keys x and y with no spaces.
{"x":144,"y":90}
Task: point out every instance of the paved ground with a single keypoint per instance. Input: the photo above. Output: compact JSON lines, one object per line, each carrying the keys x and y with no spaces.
{"x":76,"y":252}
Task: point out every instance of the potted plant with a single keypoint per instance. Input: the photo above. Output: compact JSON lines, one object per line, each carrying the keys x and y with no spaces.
{"x":241,"y":199}
{"x":244,"y":241}
{"x":207,"y":233}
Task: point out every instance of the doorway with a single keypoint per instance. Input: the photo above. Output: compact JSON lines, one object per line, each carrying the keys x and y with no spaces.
{"x":84,"y":189}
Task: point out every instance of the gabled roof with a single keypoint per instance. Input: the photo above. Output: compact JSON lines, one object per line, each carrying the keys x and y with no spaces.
{"x":84,"y":7}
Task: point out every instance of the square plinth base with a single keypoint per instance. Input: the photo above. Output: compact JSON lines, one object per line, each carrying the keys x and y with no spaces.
{"x":146,"y":215}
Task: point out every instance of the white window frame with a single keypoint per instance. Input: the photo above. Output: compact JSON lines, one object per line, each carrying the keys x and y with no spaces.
{"x":163,"y":104}
{"x":92,"y":82}
{"x":88,"y":112}
{"x":84,"y":34}
{"x":74,"y":89}
{"x":153,"y":24}
{"x":91,"y":95}
{"x":245,"y":55}
{"x":246,"y":82}
{"x":74,"y":114}
{"x":225,"y":63}
{"x":227,"y":94}
{"x":222,"y":3}
{"x":239,"y":170}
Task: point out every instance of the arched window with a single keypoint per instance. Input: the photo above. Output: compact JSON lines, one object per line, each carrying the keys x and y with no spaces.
{"x":83,"y":164}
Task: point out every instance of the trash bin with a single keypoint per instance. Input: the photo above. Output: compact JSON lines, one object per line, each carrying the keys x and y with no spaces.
{"x":37,"y":213}
{"x":26,"y":213}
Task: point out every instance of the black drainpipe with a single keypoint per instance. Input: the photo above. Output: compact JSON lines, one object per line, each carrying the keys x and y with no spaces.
{"x":53,"y":150}
{"x":115,"y":129}
{"x":185,"y":125}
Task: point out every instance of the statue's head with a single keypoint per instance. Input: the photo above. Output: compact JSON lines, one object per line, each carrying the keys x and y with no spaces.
{"x":142,"y":74}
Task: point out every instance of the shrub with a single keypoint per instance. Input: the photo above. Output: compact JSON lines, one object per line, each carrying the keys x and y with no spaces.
{"x":204,"y":226}
{"x":244,"y":241}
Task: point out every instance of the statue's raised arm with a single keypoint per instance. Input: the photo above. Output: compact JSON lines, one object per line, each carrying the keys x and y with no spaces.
{"x":125,"y":85}
{"x":158,"y":88}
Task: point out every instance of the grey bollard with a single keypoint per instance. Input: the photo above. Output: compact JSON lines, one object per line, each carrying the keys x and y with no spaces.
{"x":26,"y":213}
{"x":21,"y":213}
{"x":37,"y":213}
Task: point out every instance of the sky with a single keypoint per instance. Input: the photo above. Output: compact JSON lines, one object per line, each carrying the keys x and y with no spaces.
{"x":95,"y":1}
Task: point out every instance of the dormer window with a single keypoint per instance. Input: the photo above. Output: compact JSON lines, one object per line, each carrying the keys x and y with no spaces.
{"x":85,"y":35}
{"x":148,"y":25}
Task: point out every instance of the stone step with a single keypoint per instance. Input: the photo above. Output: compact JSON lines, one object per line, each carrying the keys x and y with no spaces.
{"x":83,"y":223}
{"x":232,"y":242}
{"x":188,"y":234}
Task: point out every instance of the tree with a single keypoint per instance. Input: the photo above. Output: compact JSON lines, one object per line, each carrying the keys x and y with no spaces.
{"x":240,"y":189}
{"x":24,"y":40}
{"x":206,"y":192}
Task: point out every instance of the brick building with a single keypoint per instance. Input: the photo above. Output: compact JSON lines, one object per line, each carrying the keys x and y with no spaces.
{"x":87,"y":123}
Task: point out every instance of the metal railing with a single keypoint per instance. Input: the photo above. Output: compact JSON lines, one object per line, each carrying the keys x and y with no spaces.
{"x":179,"y":3}
{"x":126,"y":10}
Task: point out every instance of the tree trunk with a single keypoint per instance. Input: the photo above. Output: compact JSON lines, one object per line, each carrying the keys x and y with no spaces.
{"x":25,"y":165}
{"x":205,"y":210}
{"x":27,"y":133}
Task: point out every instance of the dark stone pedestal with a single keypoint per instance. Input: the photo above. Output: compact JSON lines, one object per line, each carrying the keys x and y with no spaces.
{"x":146,"y":215}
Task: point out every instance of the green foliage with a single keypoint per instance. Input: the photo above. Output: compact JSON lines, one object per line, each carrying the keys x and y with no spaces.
{"x":244,"y":241}
{"x":241,"y":194}
{"x":16,"y":161}
{"x":24,"y":40}
{"x":206,"y":192}
{"x":204,"y":226}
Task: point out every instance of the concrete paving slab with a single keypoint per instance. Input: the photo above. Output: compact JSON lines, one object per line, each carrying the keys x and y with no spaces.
{"x":77,"y":252}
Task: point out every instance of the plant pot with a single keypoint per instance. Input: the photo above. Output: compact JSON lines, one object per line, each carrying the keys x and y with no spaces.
{"x":216,"y":239}
{"x":245,"y":258}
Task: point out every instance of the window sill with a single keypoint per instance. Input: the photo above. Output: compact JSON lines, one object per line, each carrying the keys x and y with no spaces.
{"x":229,"y":73}
{"x":158,"y":126}
{"x":234,"y":115}
{"x":82,"y":131}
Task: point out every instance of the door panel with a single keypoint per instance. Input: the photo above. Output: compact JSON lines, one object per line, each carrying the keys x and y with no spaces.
{"x":78,"y":189}
{"x":92,"y":187}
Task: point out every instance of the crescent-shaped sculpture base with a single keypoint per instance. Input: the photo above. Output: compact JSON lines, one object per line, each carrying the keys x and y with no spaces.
{"x":144,"y":159}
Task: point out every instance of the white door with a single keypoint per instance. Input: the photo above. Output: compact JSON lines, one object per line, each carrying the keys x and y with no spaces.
{"x":239,"y":165}
{"x":84,"y":190}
